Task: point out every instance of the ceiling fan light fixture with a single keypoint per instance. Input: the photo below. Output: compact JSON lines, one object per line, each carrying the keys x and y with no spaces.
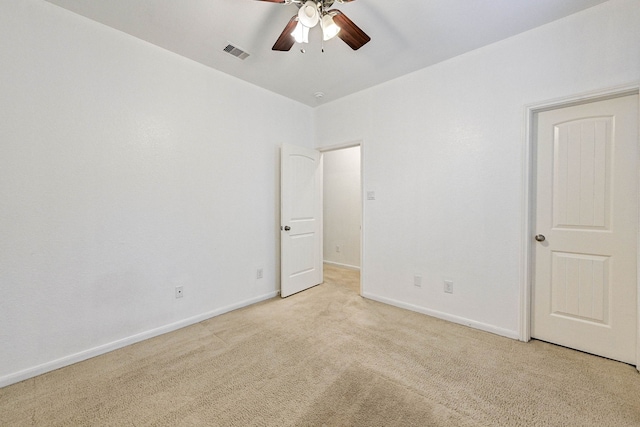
{"x":308,"y":14}
{"x":332,"y":22}
{"x":301,"y":33}
{"x":329,"y":28}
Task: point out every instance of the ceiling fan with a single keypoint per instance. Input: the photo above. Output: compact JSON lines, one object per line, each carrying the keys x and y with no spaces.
{"x":313,"y":12}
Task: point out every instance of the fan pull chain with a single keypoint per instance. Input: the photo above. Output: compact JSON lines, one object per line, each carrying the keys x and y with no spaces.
{"x":322,"y":26}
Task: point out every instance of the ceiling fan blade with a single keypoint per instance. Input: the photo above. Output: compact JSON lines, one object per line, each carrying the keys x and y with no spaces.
{"x":350,"y":33}
{"x":286,"y":40}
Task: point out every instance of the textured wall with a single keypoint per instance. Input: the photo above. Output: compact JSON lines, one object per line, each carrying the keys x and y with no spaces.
{"x":444,"y":152}
{"x":126,"y":171}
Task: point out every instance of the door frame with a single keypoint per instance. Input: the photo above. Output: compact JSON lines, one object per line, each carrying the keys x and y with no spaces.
{"x":529,"y":200}
{"x":351,"y":144}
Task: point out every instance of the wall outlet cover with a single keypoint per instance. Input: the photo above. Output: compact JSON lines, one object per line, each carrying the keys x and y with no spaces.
{"x":448,"y":286}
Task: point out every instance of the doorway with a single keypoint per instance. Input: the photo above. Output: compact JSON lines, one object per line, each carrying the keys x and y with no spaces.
{"x":342,"y":213}
{"x":584,"y":226}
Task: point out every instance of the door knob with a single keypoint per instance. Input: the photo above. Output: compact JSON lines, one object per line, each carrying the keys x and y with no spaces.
{"x":540,"y":238}
{"x":287,"y":228}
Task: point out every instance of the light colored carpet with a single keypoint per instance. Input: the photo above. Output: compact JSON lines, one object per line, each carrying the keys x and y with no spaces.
{"x":328,"y":357}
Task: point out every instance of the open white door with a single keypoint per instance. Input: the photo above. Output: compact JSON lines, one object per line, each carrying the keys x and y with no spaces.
{"x":301,"y":219}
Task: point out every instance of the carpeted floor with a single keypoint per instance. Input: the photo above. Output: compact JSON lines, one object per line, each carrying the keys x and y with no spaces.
{"x":328,"y":357}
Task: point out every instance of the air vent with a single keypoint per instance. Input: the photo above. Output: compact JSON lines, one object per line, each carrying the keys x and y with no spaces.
{"x":237,"y":52}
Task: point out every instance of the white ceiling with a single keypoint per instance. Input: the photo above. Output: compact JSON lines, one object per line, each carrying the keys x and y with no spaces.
{"x":406,"y":36}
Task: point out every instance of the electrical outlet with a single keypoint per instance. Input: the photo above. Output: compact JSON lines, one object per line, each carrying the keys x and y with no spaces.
{"x":179,"y":292}
{"x":417,"y":281}
{"x":338,"y":248}
{"x":448,"y":286}
{"x":259,"y":273}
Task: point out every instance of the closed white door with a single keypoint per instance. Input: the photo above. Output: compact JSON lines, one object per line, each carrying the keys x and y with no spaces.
{"x":585,"y":287}
{"x":301,"y":219}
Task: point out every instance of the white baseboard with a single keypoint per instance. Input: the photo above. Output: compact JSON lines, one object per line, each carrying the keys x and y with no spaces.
{"x":444,"y":316}
{"x":106,"y":348}
{"x":337,"y":264}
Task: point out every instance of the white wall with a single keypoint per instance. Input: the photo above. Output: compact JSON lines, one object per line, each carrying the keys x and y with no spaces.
{"x":342,"y":207}
{"x":125,"y":171}
{"x":443,"y":150}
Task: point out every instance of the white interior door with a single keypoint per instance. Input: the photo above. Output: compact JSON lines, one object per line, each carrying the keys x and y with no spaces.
{"x":301,"y":219}
{"x":585,"y":286}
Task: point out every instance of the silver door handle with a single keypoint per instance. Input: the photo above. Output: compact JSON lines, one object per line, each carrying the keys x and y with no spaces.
{"x":540,"y":238}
